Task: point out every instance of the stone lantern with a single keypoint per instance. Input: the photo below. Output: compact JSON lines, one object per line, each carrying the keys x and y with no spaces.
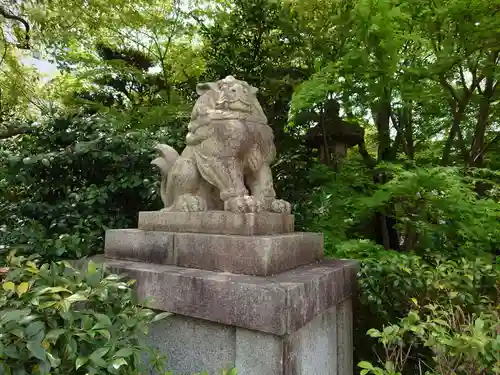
{"x":332,"y":136}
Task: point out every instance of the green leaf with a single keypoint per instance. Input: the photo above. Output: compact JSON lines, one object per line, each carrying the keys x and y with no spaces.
{"x":118,"y":362}
{"x":479,"y":324}
{"x":54,"y":361}
{"x":124,"y":352}
{"x":91,"y":371}
{"x":161,"y":316}
{"x":77,"y":297}
{"x":22,"y":288}
{"x":34,"y":328}
{"x":47,"y":304}
{"x":80,"y":361}
{"x":37,"y":350}
{"x":11,"y":351}
{"x":91,"y":268}
{"x":53,"y":335}
{"x":99,"y":362}
{"x":103,"y":321}
{"x":389,"y":366}
{"x":104,"y":333}
{"x":98,"y":353}
{"x":19,"y":371}
{"x":13,"y":315}
{"x":9,"y":286}
{"x":365,"y":365}
{"x":51,"y":290}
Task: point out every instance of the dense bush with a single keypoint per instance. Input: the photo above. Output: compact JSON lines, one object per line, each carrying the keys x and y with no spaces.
{"x":62,"y":186}
{"x":460,"y":343}
{"x":431,"y":210}
{"x":391,"y":284}
{"x":55,"y":319}
{"x":327,"y":201}
{"x":436,"y":208}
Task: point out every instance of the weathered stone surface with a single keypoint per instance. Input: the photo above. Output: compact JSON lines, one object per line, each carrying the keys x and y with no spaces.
{"x":279,"y":304}
{"x":136,"y":244}
{"x":313,"y":348}
{"x":193,"y":345}
{"x":226,"y":162}
{"x":217,"y":222}
{"x":258,"y":353}
{"x":345,"y":341}
{"x":250,"y":255}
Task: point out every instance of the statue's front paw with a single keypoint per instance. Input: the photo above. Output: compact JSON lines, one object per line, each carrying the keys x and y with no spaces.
{"x":190,"y":203}
{"x":281,"y":206}
{"x":244,"y":204}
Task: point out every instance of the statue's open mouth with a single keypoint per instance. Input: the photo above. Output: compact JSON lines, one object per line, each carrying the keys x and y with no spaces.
{"x":235,"y":105}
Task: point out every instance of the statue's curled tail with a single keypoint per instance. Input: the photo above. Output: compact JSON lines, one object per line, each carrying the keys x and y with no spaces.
{"x":165,"y":163}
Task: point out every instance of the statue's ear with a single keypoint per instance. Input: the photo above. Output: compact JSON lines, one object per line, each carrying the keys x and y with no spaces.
{"x":202,"y":88}
{"x":254,"y":90}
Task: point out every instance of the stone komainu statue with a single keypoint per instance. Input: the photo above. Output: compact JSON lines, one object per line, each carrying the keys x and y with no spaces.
{"x":226,"y":162}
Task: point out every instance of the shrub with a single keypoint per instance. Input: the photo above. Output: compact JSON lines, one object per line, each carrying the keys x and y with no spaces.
{"x":55,"y":319}
{"x":326,"y":201}
{"x":460,"y":343}
{"x":436,"y":208}
{"x":389,"y":281}
{"x":62,"y":186}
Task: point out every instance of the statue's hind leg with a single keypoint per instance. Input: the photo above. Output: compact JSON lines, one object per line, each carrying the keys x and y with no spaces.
{"x":185,"y":188}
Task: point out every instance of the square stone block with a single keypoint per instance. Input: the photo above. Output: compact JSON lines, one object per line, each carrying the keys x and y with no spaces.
{"x":217,"y":222}
{"x":279,"y":304}
{"x":192,"y":345}
{"x":251,"y":255}
{"x":136,"y":244}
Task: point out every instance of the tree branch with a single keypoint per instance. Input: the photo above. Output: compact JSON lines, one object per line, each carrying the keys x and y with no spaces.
{"x":462,"y":77}
{"x":5,"y":48}
{"x":10,"y":16}
{"x":369,"y":160}
{"x":450,"y":88}
{"x":486,"y":147}
{"x":13,"y":131}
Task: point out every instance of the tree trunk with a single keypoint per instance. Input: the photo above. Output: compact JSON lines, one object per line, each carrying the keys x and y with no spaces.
{"x":454,"y":130}
{"x":408,"y":129}
{"x":385,"y":224}
{"x":382,"y":117}
{"x":476,"y":154}
{"x":324,"y":131}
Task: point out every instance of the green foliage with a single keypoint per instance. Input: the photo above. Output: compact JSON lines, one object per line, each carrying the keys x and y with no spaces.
{"x":460,"y":343}
{"x":422,"y":76}
{"x":55,"y":319}
{"x":463,"y":282}
{"x":331,"y":199}
{"x":435,"y":208}
{"x":62,"y":186}
{"x":409,"y":280}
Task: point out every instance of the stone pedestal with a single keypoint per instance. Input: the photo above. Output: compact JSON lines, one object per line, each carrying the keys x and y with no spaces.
{"x":248,"y":295}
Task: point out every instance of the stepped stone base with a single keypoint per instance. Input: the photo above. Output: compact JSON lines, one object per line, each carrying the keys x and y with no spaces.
{"x":217,"y":222}
{"x":280,"y":304}
{"x":246,"y":291}
{"x":250,"y":255}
